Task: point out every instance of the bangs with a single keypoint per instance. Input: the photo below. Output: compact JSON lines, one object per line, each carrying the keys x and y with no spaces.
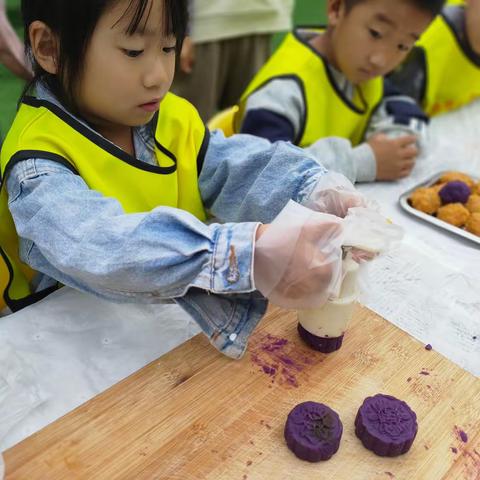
{"x":74,"y":22}
{"x":174,"y":17}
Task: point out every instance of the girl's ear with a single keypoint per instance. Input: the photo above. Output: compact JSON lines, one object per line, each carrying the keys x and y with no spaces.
{"x":335,"y":10}
{"x":44,"y":46}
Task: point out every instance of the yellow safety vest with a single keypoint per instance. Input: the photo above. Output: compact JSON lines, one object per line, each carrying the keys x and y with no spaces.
{"x":452,"y":79}
{"x":327,"y":112}
{"x":42,"y":130}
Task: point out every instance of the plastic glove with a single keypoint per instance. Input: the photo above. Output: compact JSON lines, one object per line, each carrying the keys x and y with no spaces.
{"x":334,"y":194}
{"x":298,"y":259}
{"x":368,"y":234}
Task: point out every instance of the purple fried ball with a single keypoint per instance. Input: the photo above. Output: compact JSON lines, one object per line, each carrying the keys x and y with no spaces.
{"x":455,"y":192}
{"x":386,"y":425}
{"x":321,"y":344}
{"x":313,"y":431}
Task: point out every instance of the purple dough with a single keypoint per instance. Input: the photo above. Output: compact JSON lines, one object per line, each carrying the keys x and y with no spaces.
{"x":455,"y":192}
{"x":322,"y":344}
{"x":313,"y":431}
{"x":386,"y":426}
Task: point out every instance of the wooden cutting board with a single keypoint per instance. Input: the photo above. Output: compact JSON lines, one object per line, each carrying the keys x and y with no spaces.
{"x":194,"y":414}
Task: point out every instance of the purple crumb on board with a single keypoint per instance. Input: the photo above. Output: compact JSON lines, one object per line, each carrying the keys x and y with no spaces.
{"x":428,"y":347}
{"x":461,"y":434}
{"x":269,"y":370}
{"x":423,"y":372}
{"x":286,"y":360}
{"x":274,"y":345}
{"x":453,"y":449}
{"x":278,"y":358}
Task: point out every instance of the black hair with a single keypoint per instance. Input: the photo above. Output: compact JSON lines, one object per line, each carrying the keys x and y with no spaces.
{"x":432,"y":6}
{"x":73,"y":22}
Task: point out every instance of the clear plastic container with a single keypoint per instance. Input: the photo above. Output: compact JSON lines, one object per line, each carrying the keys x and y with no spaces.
{"x":323,"y":328}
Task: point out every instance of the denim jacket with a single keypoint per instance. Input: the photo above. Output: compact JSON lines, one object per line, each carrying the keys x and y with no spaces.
{"x":78,"y":237}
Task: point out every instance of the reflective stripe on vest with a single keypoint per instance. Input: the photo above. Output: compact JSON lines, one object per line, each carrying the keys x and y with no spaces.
{"x":453,"y":80}
{"x":43,"y":130}
{"x":327,"y":111}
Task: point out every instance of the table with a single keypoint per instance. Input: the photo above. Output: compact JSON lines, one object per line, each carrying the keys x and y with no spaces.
{"x":194,"y":414}
{"x":428,"y":287}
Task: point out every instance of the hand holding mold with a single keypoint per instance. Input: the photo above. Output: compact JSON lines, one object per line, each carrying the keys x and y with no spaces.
{"x":298,"y":260}
{"x":366,"y":234}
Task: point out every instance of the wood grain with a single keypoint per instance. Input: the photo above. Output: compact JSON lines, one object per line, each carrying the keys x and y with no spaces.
{"x":194,"y":414}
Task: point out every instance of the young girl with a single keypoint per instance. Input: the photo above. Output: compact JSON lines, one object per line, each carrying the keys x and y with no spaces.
{"x":108,"y":176}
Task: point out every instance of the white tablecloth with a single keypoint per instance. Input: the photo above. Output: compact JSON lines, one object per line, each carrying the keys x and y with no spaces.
{"x":430,"y":286}
{"x":71,"y":346}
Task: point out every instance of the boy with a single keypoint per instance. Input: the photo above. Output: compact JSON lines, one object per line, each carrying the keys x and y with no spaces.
{"x":443,"y":71}
{"x":330,"y":83}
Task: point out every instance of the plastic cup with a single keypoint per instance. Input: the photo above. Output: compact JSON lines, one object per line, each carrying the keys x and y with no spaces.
{"x":323,"y":328}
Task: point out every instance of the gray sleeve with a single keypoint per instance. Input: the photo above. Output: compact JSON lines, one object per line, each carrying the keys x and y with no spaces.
{"x":282,"y":96}
{"x":357,"y":164}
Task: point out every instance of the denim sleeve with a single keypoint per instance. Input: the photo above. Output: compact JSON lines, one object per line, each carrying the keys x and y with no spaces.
{"x":246,"y":178}
{"x":85,"y":240}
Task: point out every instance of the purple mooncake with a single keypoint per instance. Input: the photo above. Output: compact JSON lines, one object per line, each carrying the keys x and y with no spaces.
{"x":313,"y":431}
{"x":455,"y":192}
{"x":386,"y":425}
{"x":322,"y":344}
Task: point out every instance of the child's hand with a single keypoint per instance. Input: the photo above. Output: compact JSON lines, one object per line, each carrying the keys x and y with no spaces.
{"x":298,"y":257}
{"x":334,"y":194}
{"x":395,"y":156}
{"x":472,"y":21}
{"x":261,"y":230}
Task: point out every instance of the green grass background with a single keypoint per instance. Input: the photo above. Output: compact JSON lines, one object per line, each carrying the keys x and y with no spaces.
{"x":307,"y":12}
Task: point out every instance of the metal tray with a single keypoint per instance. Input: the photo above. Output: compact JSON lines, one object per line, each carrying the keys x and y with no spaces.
{"x":430,"y":218}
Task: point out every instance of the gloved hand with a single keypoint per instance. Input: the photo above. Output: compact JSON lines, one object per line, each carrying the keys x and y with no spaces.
{"x":298,"y":258}
{"x":334,"y":194}
{"x":367,"y":234}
